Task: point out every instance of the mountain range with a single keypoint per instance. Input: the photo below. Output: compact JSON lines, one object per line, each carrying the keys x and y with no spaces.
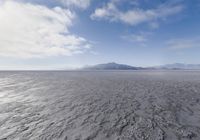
{"x":112,"y":66}
{"x":181,"y":66}
{"x":116,"y":66}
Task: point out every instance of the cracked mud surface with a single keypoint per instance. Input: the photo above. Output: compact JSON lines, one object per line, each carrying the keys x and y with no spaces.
{"x":102,"y":105}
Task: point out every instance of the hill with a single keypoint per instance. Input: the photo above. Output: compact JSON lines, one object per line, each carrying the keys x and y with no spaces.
{"x":112,"y":66}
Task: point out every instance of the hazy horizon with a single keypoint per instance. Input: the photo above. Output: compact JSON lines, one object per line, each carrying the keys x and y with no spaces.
{"x":85,"y":66}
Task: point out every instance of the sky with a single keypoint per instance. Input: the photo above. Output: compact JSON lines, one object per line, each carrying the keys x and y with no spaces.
{"x":67,"y":34}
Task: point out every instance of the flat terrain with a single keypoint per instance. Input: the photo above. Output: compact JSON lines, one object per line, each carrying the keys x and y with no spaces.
{"x":101,"y":105}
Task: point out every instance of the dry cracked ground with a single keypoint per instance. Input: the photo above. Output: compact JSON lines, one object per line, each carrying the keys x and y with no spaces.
{"x":112,"y":105}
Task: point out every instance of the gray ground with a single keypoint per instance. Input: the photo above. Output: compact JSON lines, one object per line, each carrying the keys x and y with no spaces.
{"x":100,"y":105}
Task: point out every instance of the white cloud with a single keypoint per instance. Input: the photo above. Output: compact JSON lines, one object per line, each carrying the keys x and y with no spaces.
{"x":178,"y":44}
{"x":109,"y":12}
{"x":138,"y":38}
{"x":135,"y":16}
{"x":77,"y":3}
{"x":28,"y":31}
{"x":154,"y":25}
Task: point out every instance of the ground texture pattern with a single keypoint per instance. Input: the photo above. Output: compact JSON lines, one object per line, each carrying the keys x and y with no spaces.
{"x":100,"y":105}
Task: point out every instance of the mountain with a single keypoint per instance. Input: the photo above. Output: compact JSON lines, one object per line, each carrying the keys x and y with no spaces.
{"x":112,"y":66}
{"x":181,"y":66}
{"x":115,"y":66}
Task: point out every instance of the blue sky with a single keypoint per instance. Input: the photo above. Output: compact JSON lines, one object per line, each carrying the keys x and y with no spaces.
{"x":59,"y":34}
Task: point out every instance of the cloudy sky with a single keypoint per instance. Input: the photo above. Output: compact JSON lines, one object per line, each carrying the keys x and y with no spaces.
{"x":62,"y":34}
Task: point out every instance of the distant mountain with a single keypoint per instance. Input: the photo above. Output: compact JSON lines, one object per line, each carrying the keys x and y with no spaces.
{"x":181,"y":66}
{"x":112,"y":66}
{"x":115,"y":66}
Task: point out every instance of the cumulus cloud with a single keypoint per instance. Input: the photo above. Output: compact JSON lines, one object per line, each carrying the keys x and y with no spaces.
{"x":77,"y":3}
{"x":134,"y":16}
{"x":178,"y":44}
{"x":29,"y":31}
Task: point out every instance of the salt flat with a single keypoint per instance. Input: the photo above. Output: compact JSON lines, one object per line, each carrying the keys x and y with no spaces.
{"x":100,"y":105}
